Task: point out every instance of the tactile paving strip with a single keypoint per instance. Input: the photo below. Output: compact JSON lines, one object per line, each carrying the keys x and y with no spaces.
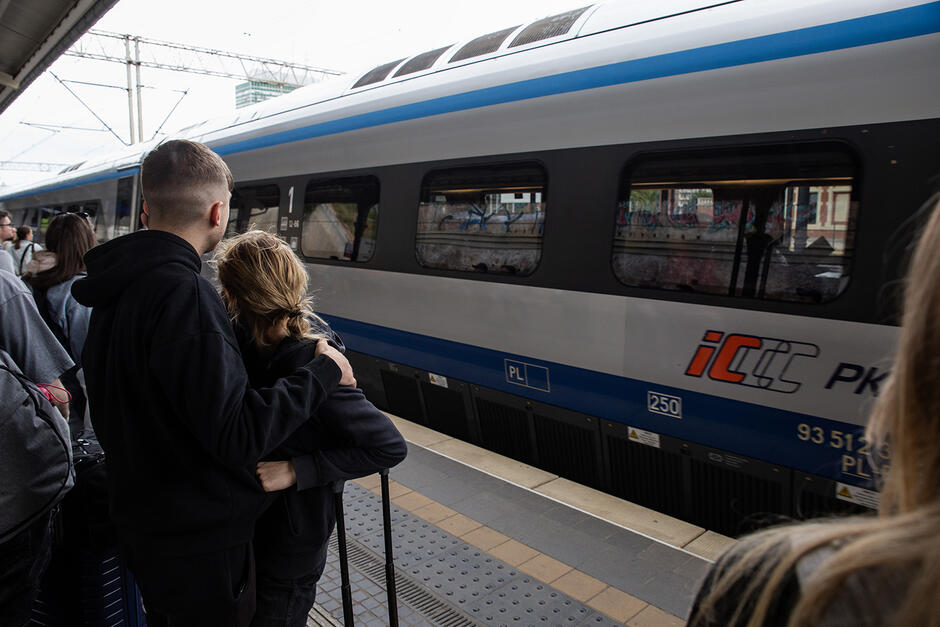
{"x":456,"y":574}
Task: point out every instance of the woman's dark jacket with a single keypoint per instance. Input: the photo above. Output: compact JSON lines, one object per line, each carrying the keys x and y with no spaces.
{"x":346,"y":438}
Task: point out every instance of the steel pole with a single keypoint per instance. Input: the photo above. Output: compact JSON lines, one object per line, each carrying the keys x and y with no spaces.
{"x":140,"y":100}
{"x":130,"y":86}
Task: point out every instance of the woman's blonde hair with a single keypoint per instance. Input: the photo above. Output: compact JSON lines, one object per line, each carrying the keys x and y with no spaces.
{"x":904,"y":539}
{"x":263,"y":284}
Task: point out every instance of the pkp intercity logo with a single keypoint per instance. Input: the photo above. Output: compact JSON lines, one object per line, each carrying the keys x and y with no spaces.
{"x":750,"y":360}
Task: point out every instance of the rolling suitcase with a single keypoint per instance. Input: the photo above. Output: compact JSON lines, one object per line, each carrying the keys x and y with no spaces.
{"x":86,"y":582}
{"x":343,"y":558}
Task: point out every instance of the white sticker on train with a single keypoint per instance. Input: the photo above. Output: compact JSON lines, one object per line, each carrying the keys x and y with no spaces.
{"x":643,"y":437}
{"x":859,"y":496}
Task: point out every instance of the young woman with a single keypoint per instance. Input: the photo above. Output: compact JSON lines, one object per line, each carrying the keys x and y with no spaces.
{"x":264,"y":287}
{"x":50,"y":275}
{"x":23,"y":249}
{"x":882,"y":570}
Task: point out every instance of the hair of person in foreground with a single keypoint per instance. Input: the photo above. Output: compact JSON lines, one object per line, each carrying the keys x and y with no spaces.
{"x":264,"y":287}
{"x":69,"y":236}
{"x":900,"y":544}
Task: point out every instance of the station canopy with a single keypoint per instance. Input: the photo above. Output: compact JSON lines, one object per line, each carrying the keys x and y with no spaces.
{"x":34,"y":33}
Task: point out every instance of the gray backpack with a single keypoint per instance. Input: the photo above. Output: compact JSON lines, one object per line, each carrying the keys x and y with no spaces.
{"x":35,"y":452}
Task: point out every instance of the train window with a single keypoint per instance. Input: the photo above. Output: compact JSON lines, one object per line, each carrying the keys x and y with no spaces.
{"x":482,"y":219}
{"x":123,"y":206}
{"x":775,"y":223}
{"x":91,"y":210}
{"x":40,"y":219}
{"x":341,"y":218}
{"x":253,"y":207}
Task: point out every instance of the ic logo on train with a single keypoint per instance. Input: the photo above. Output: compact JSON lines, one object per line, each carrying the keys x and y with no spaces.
{"x":750,"y":360}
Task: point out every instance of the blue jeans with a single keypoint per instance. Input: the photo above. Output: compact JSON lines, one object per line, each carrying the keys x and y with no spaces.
{"x":284,"y":602}
{"x":23,"y":559}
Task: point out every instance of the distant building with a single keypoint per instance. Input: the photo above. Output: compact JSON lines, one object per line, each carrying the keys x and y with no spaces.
{"x":257,"y":91}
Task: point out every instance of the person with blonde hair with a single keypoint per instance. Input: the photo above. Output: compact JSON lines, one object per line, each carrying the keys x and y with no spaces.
{"x":264,"y":287}
{"x":860,"y":571}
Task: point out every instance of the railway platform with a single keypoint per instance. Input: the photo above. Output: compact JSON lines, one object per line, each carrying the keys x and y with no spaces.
{"x":480,"y":539}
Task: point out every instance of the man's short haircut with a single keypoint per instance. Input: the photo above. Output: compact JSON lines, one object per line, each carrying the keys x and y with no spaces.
{"x":180,"y":179}
{"x":5,"y":214}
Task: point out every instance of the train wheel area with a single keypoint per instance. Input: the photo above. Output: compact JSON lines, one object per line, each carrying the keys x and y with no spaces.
{"x":482,"y":539}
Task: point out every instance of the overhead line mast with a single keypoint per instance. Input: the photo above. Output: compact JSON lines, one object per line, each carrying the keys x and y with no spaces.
{"x":136,"y":52}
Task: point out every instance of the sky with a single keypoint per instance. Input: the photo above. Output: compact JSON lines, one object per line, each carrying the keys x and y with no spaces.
{"x":351,"y":36}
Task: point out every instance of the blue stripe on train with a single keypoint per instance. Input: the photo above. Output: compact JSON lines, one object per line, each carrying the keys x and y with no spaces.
{"x":766,"y":433}
{"x":873,"y":29}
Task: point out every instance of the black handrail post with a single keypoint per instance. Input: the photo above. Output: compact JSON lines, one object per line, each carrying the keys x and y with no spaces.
{"x":343,"y":557}
{"x":389,"y":559}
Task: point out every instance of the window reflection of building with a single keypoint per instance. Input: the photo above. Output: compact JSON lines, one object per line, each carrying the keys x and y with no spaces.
{"x":827,"y":221}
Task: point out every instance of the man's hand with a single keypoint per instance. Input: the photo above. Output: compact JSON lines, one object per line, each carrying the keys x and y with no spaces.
{"x":276,"y":476}
{"x":324,"y":348}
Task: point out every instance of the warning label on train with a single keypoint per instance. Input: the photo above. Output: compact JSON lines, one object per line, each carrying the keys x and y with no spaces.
{"x":643,"y":437}
{"x":859,"y":496}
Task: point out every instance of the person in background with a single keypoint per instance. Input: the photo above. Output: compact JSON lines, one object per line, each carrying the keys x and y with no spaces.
{"x":170,"y":401}
{"x":34,"y":349}
{"x":50,"y":275}
{"x":7,"y":233}
{"x":264,"y":287}
{"x":23,"y":248}
{"x":862,"y":571}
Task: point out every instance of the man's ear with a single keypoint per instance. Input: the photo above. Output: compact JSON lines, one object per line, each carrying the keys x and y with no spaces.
{"x":145,"y":215}
{"x":215,"y":213}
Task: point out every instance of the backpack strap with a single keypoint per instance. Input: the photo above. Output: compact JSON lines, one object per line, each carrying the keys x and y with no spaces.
{"x":29,"y":249}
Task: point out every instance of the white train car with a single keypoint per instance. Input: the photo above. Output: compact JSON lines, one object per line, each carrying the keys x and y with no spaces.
{"x":648,"y":246}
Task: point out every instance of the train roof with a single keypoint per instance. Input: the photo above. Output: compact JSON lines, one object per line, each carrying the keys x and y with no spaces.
{"x":505,"y":54}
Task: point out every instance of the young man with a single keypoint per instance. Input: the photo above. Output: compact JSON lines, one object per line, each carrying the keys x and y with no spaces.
{"x":170,"y":399}
{"x":7,"y":232}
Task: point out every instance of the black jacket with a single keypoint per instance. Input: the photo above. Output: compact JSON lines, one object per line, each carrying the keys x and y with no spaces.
{"x":347,"y":438}
{"x":170,"y":398}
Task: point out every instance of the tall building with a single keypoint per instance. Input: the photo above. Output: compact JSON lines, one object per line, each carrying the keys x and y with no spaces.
{"x":257,"y":91}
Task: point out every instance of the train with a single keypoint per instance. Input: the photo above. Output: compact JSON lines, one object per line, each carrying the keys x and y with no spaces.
{"x":654,"y":248}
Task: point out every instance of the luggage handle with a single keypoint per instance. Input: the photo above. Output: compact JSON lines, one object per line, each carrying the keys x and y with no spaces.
{"x":337,"y":487}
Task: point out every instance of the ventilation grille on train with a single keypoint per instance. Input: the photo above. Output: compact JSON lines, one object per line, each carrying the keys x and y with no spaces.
{"x":547,"y":28}
{"x":647,"y":476}
{"x":445,"y":410}
{"x":731,"y":502}
{"x":816,"y":496}
{"x":376,"y":75}
{"x":483,"y":45}
{"x":403,"y":396}
{"x":504,"y":430}
{"x":421,"y":62}
{"x":815,"y":505}
{"x":567,"y":450}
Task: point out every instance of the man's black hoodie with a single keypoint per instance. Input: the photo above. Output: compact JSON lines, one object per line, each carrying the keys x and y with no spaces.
{"x":171,"y":402}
